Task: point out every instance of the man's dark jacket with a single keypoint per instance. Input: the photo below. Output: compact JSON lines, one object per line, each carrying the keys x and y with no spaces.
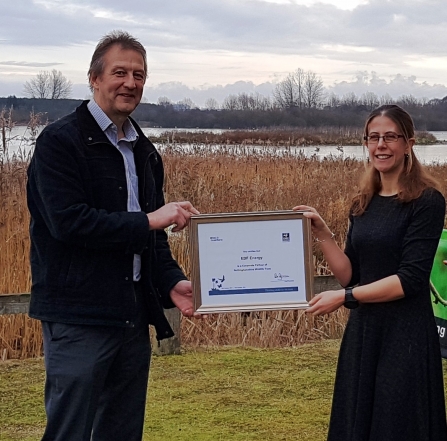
{"x":83,"y":239}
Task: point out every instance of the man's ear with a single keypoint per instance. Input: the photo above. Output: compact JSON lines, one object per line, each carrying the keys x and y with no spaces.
{"x":93,"y":80}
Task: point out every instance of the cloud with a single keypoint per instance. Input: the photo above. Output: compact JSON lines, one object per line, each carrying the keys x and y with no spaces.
{"x":395,"y":86}
{"x":177,"y":91}
{"x":242,"y":25}
{"x":199,"y":42}
{"x":27,"y":64}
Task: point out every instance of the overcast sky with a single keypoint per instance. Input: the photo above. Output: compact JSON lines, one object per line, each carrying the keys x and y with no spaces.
{"x":203,"y":49}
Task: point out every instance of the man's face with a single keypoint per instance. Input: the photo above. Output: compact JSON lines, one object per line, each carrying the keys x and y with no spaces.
{"x":119,"y":88}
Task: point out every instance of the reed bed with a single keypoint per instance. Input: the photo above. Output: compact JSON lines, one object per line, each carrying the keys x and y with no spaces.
{"x":14,"y":216}
{"x":242,"y":178}
{"x":20,"y":337}
{"x":282,"y":136}
{"x":215,"y":178}
{"x":265,"y":329}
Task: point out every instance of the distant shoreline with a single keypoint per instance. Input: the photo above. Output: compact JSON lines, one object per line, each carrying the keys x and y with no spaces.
{"x":273,"y":136}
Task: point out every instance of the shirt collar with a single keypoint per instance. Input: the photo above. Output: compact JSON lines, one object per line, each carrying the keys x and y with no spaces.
{"x":105,"y":122}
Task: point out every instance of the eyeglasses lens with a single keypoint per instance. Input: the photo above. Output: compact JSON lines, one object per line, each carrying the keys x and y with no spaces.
{"x":374,"y":139}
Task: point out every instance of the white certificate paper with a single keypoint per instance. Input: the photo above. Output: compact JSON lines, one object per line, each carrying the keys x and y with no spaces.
{"x":249,"y":263}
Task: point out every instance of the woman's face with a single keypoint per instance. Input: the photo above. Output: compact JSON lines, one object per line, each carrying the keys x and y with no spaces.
{"x":387,"y":157}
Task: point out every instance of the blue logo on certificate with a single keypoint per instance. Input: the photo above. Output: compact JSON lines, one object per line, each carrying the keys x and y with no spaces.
{"x":217,"y":283}
{"x":286,"y":237}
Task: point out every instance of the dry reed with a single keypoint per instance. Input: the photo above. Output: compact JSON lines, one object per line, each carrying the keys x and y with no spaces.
{"x":20,"y":337}
{"x":215,"y":178}
{"x":241,"y":178}
{"x":14,"y":216}
{"x":281,"y":136}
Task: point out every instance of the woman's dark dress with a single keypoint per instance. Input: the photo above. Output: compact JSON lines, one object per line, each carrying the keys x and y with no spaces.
{"x":389,"y":383}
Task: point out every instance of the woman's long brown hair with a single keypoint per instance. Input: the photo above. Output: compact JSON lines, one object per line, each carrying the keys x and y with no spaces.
{"x":413,"y":180}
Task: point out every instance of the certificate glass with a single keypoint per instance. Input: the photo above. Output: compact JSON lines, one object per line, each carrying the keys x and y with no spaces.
{"x":251,"y":261}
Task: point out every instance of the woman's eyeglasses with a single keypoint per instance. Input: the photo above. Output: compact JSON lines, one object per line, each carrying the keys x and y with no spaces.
{"x":389,"y":137}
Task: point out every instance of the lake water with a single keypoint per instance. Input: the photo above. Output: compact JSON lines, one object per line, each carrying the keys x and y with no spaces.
{"x":427,"y":154}
{"x":22,"y":142}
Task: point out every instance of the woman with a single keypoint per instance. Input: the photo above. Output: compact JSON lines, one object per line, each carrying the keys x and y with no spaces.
{"x":389,"y":383}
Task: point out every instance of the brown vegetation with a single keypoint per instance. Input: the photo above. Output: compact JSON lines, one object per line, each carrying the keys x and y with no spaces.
{"x":14,"y":218}
{"x":280,"y":137}
{"x":224,"y":178}
{"x":20,"y":337}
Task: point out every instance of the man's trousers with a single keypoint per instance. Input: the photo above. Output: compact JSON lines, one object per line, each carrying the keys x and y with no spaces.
{"x":96,"y":382}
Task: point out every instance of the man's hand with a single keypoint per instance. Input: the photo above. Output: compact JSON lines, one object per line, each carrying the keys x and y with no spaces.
{"x":174,"y":213}
{"x":181,"y":296}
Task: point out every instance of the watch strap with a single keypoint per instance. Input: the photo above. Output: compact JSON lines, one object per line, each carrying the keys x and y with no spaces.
{"x":350,"y":301}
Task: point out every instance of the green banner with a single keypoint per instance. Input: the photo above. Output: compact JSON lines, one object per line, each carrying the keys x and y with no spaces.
{"x":438,"y":288}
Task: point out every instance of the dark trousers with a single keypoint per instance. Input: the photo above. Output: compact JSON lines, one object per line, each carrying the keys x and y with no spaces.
{"x":96,"y":382}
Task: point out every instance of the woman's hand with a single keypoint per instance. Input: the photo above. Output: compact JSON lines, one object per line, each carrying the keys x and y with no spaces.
{"x":337,"y":260}
{"x":319,"y":228}
{"x":326,"y":302}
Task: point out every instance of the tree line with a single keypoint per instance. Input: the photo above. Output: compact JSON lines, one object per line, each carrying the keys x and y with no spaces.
{"x":298,"y":100}
{"x":245,"y":113}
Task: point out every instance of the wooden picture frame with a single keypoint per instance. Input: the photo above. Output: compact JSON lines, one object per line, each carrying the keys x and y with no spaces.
{"x":250,"y":261}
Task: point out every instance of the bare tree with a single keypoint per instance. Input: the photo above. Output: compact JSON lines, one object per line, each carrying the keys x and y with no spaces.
{"x":244,"y":101}
{"x":38,"y":86}
{"x":247,"y":101}
{"x":299,"y":89}
{"x":300,"y":78}
{"x":185,"y":104}
{"x":370,"y":100}
{"x":260,"y":102}
{"x":333,"y":100}
{"x":288,"y":92}
{"x":408,"y":100}
{"x":350,"y":99}
{"x":386,"y":99}
{"x":230,"y":103}
{"x":434,"y":102}
{"x":211,"y":104}
{"x":49,"y":85}
{"x":164,"y":101}
{"x":313,"y":89}
{"x":284,"y":93}
{"x":60,"y":86}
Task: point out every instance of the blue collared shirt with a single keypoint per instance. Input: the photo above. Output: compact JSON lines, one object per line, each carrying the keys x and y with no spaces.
{"x":125,"y":146}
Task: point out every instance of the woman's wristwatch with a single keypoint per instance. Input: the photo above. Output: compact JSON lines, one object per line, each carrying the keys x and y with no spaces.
{"x":350,"y":301}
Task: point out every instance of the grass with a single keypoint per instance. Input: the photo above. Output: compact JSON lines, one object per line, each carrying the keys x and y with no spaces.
{"x":227,"y":394}
{"x":230,"y":393}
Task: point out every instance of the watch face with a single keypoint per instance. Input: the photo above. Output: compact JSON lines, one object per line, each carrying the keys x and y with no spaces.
{"x":350,"y":301}
{"x":351,"y":304}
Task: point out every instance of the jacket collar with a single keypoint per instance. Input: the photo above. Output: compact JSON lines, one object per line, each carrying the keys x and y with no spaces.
{"x":92,"y":133}
{"x":88,"y":127}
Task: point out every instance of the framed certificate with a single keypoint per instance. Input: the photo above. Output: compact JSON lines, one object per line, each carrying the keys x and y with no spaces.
{"x":251,"y":261}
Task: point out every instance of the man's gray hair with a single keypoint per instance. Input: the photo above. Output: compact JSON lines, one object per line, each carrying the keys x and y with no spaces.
{"x":121,"y":38}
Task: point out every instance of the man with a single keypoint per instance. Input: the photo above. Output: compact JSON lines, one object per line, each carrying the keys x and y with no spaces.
{"x":101,"y":265}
